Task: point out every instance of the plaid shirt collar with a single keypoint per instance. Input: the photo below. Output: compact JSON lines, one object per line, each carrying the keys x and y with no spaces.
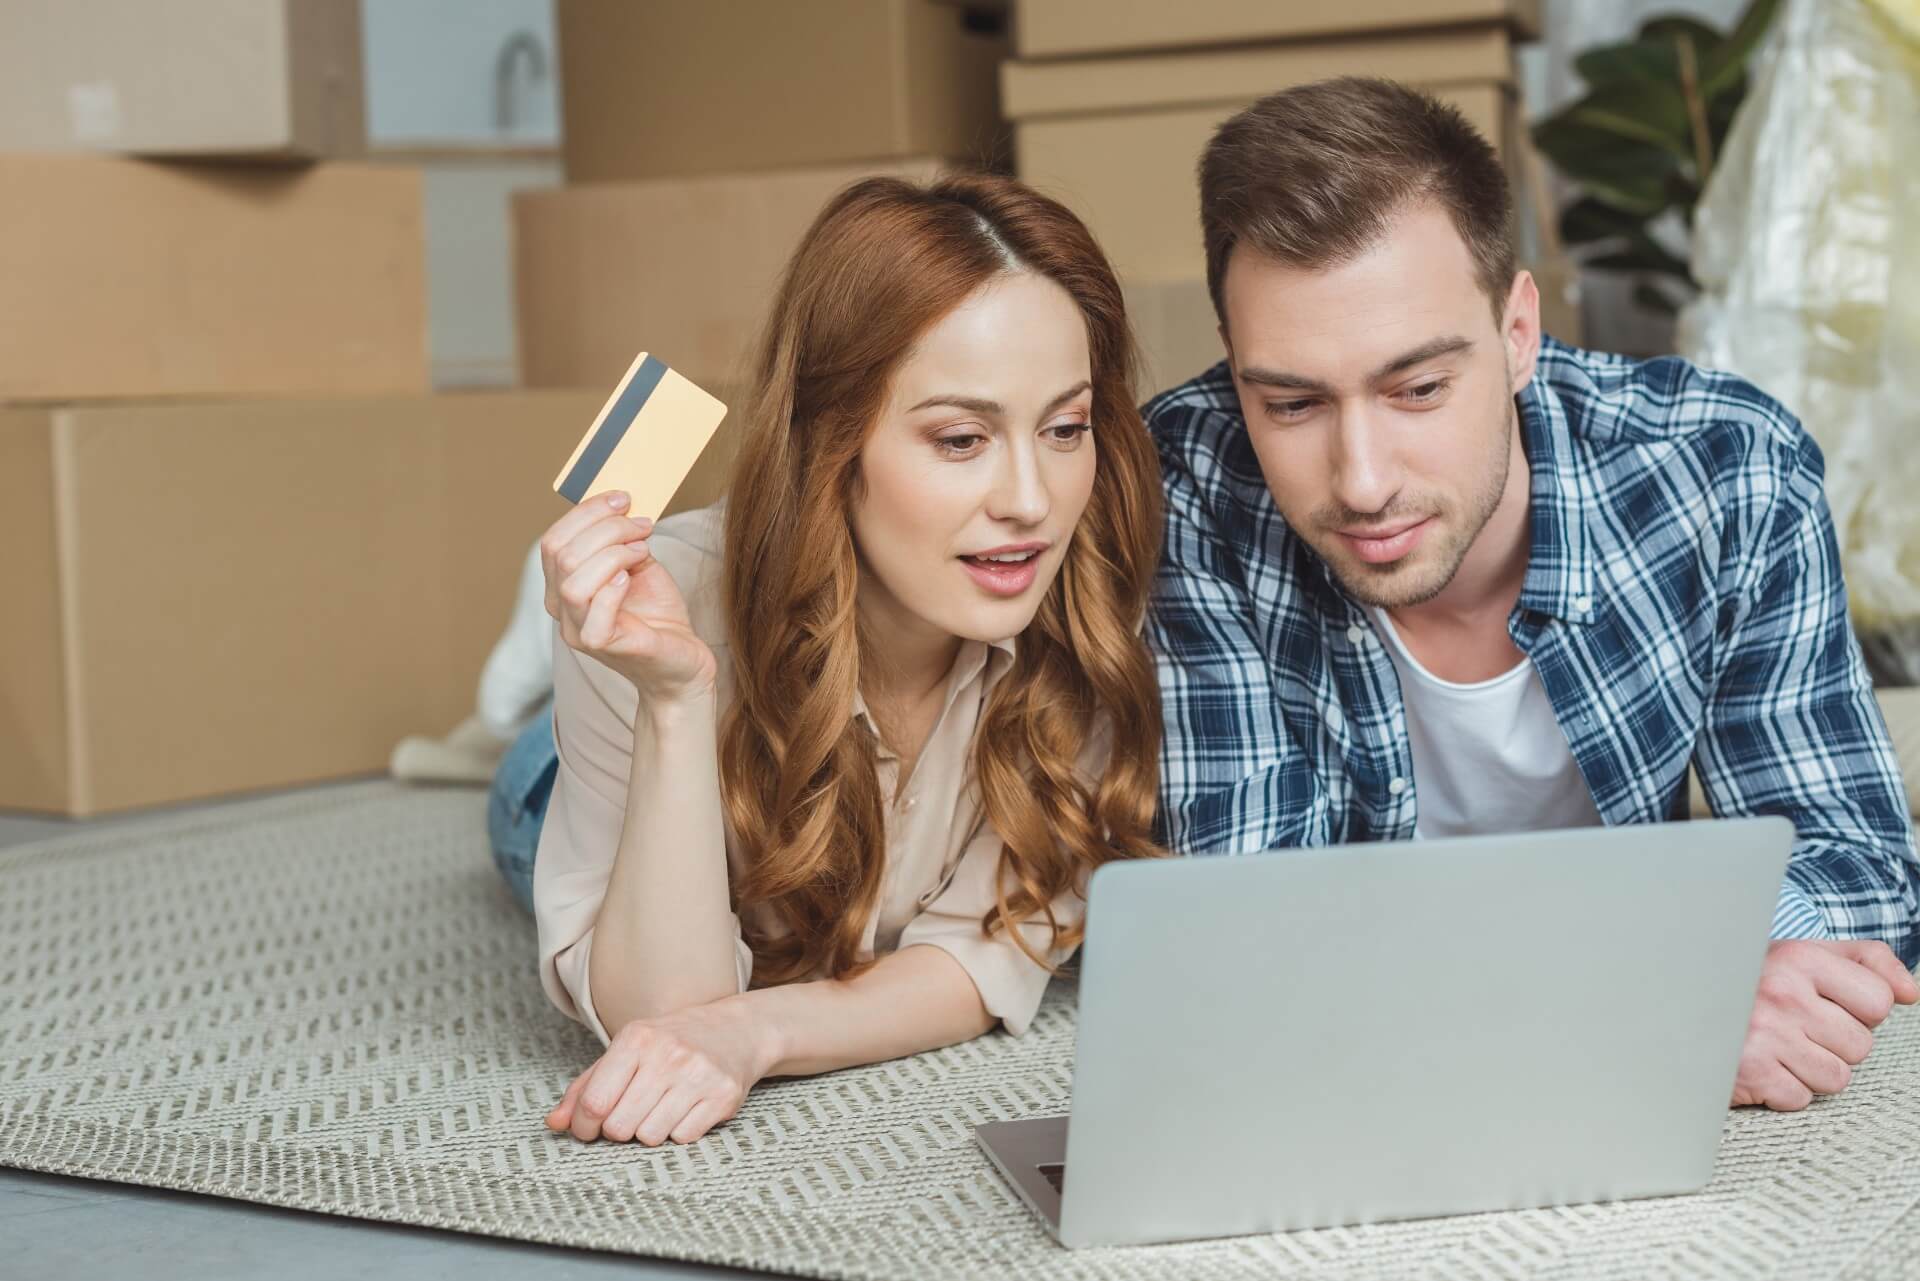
{"x":1559,"y":580}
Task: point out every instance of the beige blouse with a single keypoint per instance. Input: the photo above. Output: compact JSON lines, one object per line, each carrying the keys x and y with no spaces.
{"x":941,"y":852}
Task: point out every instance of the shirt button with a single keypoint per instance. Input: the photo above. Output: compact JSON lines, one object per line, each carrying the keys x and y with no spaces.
{"x":1584,"y":604}
{"x":1397,"y":785}
{"x":1355,"y":635}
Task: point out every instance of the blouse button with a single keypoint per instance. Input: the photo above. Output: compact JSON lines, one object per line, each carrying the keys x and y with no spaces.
{"x":910,"y":802}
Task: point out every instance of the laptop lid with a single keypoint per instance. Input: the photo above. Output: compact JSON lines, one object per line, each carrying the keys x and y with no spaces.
{"x":1323,"y":1036}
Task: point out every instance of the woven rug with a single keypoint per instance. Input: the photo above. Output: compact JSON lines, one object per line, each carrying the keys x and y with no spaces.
{"x":326,"y":1000}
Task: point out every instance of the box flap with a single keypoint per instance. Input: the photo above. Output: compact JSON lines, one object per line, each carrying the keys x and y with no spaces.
{"x":1032,"y":90}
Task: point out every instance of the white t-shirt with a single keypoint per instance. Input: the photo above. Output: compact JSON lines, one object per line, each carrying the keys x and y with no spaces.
{"x":1487,"y":757}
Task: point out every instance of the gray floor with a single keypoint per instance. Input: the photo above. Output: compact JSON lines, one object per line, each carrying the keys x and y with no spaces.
{"x":54,"y":1228}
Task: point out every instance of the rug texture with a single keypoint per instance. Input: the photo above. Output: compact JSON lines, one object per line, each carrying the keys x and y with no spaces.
{"x":326,"y":1000}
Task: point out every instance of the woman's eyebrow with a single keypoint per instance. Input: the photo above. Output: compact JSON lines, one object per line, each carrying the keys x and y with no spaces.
{"x":980,"y":405}
{"x":1065,"y":396}
{"x":972,"y":404}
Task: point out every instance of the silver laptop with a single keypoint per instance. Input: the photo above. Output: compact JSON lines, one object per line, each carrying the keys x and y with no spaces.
{"x":1308,"y":1038}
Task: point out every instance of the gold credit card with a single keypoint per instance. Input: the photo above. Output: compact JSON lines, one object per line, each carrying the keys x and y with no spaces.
{"x":645,"y":440}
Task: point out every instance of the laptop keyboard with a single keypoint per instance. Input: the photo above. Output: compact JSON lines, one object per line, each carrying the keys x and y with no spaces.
{"x":1055,"y":1173}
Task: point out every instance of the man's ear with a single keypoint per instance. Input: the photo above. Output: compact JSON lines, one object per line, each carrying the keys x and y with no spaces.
{"x":1520,"y":329}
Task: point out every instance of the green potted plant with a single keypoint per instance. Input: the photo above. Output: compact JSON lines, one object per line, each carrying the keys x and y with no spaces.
{"x":1642,"y":142}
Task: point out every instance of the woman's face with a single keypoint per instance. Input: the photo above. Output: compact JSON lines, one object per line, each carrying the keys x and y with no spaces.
{"x":978,"y":469}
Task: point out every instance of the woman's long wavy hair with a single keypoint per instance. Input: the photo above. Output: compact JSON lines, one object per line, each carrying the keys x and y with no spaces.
{"x":884,"y":262}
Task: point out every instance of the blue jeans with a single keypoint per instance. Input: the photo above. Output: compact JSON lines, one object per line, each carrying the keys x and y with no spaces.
{"x":517,"y":802}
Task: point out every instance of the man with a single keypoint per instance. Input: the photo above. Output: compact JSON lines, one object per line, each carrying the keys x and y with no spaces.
{"x":1430,"y":573}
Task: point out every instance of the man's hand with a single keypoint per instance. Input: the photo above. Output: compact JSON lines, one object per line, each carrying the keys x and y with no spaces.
{"x":673,"y":1077}
{"x":1812,"y":1024}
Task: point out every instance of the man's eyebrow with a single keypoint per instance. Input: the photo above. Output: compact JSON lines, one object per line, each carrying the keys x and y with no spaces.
{"x":1420,"y":355}
{"x":1281,"y":378}
{"x":1438,"y":347}
{"x":978,"y":405}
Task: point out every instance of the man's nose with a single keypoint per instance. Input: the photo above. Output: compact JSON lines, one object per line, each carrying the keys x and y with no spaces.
{"x":1366,"y":474}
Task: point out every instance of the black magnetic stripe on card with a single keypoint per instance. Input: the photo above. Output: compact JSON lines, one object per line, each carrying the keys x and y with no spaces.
{"x":613,"y":428}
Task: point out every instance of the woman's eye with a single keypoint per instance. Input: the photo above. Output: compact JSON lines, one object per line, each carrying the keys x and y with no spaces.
{"x":1068,"y":433}
{"x":958,"y":446}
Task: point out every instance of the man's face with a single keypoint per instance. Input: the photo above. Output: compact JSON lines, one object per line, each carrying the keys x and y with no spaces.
{"x":1378,"y":395}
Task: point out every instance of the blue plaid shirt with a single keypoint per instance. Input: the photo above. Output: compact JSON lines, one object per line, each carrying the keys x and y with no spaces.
{"x":1683,"y":603}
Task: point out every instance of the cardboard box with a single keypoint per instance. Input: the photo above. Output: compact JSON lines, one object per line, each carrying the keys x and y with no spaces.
{"x":1052,"y":28}
{"x":684,"y":268}
{"x":679,"y":87}
{"x":206,"y":598}
{"x":127,"y":278}
{"x":256,"y":78}
{"x":1119,"y":140}
{"x":1176,"y":330}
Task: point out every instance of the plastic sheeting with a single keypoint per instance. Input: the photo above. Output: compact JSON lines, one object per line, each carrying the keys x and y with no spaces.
{"x":1807,"y":246}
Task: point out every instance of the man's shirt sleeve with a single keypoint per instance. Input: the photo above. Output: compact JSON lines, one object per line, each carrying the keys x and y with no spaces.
{"x":1232,"y":780}
{"x":1792,"y":728}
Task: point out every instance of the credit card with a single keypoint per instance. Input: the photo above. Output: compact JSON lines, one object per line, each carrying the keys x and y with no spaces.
{"x":645,"y":440}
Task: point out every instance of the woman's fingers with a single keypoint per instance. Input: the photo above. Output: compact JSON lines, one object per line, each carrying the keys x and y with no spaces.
{"x":665,"y":1115}
{"x":596,"y":630}
{"x":706,"y":1114}
{"x":573,"y":539}
{"x":610,"y":1077}
{"x":561,"y":1116}
{"x":639,"y":1100}
{"x":576,"y":519}
{"x":651,"y":1109}
{"x":578,"y":590}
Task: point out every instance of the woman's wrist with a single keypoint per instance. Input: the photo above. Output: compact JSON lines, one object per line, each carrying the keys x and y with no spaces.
{"x":761,"y":1029}
{"x":677,"y":713}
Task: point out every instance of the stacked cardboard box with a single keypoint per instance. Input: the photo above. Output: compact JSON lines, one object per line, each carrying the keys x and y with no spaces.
{"x":243,"y":546}
{"x":258,"y":79}
{"x":1112,"y":102}
{"x":701,"y":140}
{"x":207,"y":596}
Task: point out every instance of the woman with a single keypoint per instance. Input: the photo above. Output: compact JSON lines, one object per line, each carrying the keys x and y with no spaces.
{"x":831,"y":762}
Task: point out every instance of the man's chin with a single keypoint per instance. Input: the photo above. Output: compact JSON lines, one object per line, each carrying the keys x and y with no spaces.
{"x":1412,"y":580}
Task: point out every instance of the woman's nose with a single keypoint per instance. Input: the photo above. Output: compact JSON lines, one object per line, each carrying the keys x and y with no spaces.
{"x":1020,"y":489}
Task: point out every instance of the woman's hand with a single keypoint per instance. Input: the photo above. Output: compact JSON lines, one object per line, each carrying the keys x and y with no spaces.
{"x":617,"y":604}
{"x":673,"y":1077}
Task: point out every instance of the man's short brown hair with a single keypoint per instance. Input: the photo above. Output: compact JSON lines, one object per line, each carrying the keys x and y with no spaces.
{"x":1313,"y":175}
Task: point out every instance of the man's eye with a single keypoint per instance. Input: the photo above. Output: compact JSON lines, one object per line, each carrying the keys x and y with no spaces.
{"x":1427,"y":390}
{"x":1289,"y":408}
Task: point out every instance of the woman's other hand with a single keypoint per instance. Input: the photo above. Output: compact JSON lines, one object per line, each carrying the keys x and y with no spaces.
{"x":615,"y":603}
{"x":668,"y":1078}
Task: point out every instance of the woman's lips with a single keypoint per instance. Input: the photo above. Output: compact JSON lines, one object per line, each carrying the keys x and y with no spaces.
{"x":1391,"y":547}
{"x":1003,"y":578}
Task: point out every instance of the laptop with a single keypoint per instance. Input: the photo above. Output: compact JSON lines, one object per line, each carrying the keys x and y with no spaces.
{"x":1316,"y":1037}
